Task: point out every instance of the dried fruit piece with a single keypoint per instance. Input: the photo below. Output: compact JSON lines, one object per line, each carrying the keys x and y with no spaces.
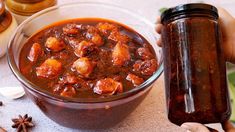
{"x":93,"y":35}
{"x":144,"y":53}
{"x":68,"y":79}
{"x":54,"y":44}
{"x":72,"y":41}
{"x":50,"y":68}
{"x":105,"y":28}
{"x":116,"y":36}
{"x":71,"y":29}
{"x":147,"y":67}
{"x":134,"y":79}
{"x":120,"y":54}
{"x":35,"y":52}
{"x":108,"y":86}
{"x":97,"y":39}
{"x":68,"y":91}
{"x":83,"y":66}
{"x":85,"y":48}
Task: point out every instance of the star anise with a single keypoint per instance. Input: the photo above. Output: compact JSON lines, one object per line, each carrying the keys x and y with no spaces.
{"x":22,"y":123}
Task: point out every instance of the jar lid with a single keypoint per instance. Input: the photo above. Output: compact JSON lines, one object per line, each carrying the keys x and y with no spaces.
{"x":28,"y":8}
{"x":189,"y":8}
{"x":5,"y":17}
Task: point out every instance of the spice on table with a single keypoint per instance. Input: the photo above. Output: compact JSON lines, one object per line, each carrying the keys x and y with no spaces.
{"x":1,"y":103}
{"x":22,"y":123}
{"x":2,"y":129}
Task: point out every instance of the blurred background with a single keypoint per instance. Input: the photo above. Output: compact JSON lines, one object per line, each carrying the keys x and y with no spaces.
{"x":150,"y":8}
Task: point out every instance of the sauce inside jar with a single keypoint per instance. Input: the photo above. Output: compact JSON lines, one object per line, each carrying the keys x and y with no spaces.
{"x":194,"y":65}
{"x":87,"y":58}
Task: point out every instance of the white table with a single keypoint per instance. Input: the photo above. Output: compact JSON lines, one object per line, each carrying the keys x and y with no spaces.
{"x":149,"y":116}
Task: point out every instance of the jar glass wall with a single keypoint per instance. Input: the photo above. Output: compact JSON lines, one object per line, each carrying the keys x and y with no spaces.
{"x":194,"y":66}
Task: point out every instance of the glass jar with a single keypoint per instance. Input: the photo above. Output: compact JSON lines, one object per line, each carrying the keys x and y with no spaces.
{"x":22,"y":9}
{"x":194,"y":65}
{"x":7,"y":26}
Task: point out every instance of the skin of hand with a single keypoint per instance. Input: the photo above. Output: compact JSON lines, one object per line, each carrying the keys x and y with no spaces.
{"x":194,"y":127}
{"x":197,"y":127}
{"x":227,"y":26}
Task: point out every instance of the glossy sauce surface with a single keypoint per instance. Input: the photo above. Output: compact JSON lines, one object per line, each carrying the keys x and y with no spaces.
{"x":87,"y":58}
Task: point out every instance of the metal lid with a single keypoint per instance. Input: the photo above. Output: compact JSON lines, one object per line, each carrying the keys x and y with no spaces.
{"x":190,"y":8}
{"x":5,"y":17}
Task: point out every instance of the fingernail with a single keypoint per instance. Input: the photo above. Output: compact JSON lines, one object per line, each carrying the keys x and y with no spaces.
{"x":187,"y":127}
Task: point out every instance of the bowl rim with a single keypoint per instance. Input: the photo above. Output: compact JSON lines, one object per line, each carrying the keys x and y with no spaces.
{"x":32,"y":87}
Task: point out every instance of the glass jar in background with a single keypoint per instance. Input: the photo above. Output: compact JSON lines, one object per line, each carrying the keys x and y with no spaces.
{"x":7,"y":26}
{"x":22,"y":9}
{"x":194,"y":65}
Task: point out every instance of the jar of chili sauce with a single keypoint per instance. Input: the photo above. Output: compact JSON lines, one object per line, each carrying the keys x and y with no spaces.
{"x":194,"y":65}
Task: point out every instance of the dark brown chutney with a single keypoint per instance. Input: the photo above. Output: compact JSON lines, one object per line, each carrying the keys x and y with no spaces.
{"x":194,"y":65}
{"x":87,"y":58}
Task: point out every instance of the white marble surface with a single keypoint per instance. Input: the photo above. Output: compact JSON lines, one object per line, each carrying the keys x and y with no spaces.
{"x":149,"y":116}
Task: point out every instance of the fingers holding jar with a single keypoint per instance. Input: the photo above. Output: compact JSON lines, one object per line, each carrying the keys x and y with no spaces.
{"x":227,"y":26}
{"x":158,"y":29}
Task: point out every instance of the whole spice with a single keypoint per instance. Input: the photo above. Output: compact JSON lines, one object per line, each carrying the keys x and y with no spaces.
{"x":1,"y":103}
{"x":22,"y":123}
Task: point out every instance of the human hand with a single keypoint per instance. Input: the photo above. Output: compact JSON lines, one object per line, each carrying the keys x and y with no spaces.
{"x":227,"y":25}
{"x":197,"y":127}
